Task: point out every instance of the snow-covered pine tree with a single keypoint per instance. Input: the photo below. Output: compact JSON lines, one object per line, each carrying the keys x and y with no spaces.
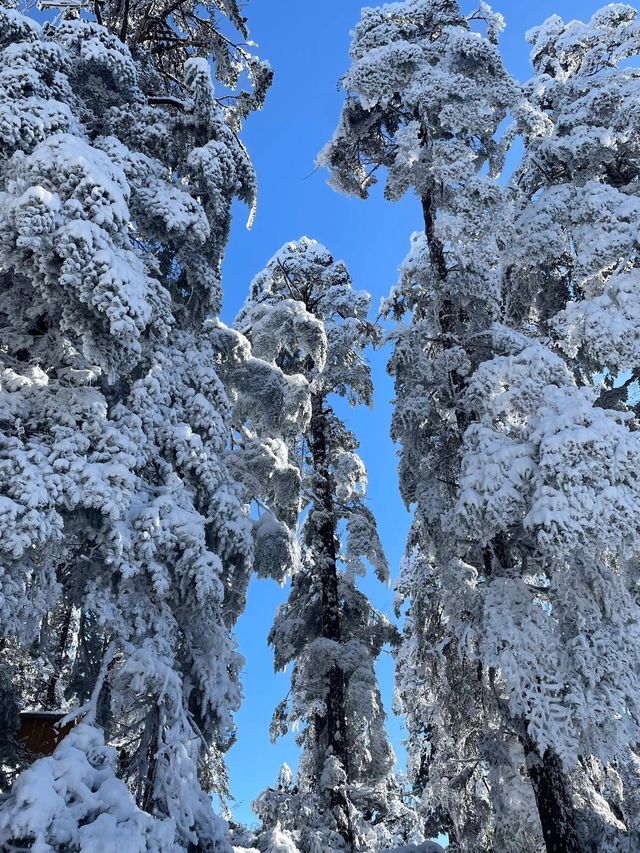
{"x":518,"y":616}
{"x":425,"y":98}
{"x":303,"y":316}
{"x":120,"y":514}
{"x":576,"y":211}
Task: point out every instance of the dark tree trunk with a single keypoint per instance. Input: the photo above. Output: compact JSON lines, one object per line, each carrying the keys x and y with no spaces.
{"x":436,"y":249}
{"x":553,"y":799}
{"x":332,"y":737}
{"x":449,"y":313}
{"x":150,"y":746}
{"x":51,"y":700}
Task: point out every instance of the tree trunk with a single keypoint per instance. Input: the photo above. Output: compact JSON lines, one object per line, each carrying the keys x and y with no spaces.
{"x":553,"y":799}
{"x":51,"y":700}
{"x":333,"y":737}
{"x":150,"y":735}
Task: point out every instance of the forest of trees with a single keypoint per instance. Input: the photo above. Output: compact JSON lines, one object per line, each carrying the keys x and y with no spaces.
{"x":153,"y":458}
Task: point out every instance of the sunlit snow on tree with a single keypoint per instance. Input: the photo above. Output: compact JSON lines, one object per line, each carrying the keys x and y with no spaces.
{"x":303,"y":315}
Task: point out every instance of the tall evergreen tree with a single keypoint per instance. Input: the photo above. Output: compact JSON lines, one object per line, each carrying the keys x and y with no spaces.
{"x":575,"y":214}
{"x":303,"y":316}
{"x":505,"y":673}
{"x":126,"y":537}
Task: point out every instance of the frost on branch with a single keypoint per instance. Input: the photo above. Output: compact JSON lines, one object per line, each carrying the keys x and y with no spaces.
{"x":413,"y":64}
{"x":540,"y":455}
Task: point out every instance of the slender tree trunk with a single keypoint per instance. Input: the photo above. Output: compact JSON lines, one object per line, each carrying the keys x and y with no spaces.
{"x":51,"y":700}
{"x":151,"y":733}
{"x":333,"y":738}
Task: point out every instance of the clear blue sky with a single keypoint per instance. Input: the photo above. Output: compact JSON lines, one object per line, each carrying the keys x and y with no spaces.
{"x":307,"y":43}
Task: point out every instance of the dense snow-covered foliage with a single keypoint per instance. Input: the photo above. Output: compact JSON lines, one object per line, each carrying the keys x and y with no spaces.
{"x":151,"y":458}
{"x":520,"y":651}
{"x":578,"y":200}
{"x":121,"y":513}
{"x":166,"y":35}
{"x":303,"y":315}
{"x":73,"y":800}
